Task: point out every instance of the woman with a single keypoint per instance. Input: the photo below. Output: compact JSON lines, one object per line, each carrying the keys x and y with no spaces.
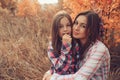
{"x":94,"y":61}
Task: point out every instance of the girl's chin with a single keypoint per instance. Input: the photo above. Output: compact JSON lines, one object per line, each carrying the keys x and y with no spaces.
{"x":67,"y":34}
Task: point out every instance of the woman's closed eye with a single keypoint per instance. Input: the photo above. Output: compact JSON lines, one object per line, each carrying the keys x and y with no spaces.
{"x":83,"y":25}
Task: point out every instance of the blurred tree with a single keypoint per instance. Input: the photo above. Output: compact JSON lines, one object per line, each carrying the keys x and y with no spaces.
{"x":11,"y":5}
{"x":60,"y":2}
{"x":28,"y":8}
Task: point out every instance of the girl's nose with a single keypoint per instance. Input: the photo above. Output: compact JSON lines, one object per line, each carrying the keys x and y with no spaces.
{"x":65,"y":28}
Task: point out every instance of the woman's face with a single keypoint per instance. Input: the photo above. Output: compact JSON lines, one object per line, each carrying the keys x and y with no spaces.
{"x":79,"y":28}
{"x":64,"y":27}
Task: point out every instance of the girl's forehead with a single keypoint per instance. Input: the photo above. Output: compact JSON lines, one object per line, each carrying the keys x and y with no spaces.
{"x":64,"y":20}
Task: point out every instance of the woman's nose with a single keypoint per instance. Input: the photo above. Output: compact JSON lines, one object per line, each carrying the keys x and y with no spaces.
{"x":76,"y":27}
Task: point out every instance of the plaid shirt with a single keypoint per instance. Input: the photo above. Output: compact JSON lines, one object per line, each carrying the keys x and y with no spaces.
{"x":95,"y":65}
{"x":63,"y":63}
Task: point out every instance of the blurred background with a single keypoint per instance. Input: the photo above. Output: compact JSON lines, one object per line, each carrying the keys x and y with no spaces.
{"x":25,"y":29}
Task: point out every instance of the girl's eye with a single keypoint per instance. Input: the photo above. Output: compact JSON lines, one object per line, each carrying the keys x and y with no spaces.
{"x":60,"y":26}
{"x":68,"y":25}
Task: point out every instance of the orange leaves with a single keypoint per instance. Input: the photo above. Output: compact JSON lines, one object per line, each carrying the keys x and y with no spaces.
{"x":109,"y":10}
{"x":116,"y":5}
{"x":80,"y":1}
{"x":74,"y":6}
{"x":27,"y":8}
{"x":109,"y":1}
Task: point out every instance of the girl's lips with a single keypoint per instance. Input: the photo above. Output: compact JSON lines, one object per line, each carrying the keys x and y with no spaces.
{"x":66,"y":33}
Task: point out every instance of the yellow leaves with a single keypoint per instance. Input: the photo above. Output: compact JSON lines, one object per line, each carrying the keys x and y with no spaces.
{"x":27,"y":8}
{"x":117,"y":37}
{"x":118,"y":40}
{"x":115,"y":6}
{"x":76,"y":6}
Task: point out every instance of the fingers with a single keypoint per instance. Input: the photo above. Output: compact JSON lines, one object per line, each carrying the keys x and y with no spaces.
{"x":49,"y":77}
{"x":45,"y":76}
{"x":66,"y":38}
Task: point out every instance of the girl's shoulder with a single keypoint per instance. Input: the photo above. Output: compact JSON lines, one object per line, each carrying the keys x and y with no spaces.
{"x":50,"y":45}
{"x":50,"y":42}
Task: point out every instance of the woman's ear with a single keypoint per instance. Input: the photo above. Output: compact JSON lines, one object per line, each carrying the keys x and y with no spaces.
{"x":88,"y":32}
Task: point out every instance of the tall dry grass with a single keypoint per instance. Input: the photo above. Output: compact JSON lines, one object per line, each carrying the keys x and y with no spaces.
{"x":23,"y":45}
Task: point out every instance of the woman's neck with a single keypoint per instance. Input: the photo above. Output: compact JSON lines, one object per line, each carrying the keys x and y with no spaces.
{"x":83,"y":41}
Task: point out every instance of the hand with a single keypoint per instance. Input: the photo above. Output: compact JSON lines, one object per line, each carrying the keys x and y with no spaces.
{"x":47,"y":76}
{"x":66,"y":39}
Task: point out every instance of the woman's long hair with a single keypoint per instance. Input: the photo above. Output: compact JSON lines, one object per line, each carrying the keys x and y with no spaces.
{"x":93,"y":30}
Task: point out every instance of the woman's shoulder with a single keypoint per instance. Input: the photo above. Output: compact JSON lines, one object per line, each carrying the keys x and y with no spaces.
{"x":99,"y":46}
{"x":100,"y":43}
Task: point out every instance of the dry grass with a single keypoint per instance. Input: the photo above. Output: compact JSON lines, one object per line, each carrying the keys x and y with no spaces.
{"x":115,"y":74}
{"x":23,"y":45}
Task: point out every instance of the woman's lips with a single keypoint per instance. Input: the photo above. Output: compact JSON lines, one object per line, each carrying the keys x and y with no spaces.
{"x":75,"y":32}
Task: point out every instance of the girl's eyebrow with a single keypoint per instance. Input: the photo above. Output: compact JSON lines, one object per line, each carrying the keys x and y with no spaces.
{"x":68,"y":23}
{"x":59,"y":24}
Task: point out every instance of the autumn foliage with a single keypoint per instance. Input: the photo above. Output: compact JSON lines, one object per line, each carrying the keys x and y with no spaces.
{"x":11,"y":5}
{"x":24,"y":35}
{"x":109,"y":10}
{"x":27,"y":8}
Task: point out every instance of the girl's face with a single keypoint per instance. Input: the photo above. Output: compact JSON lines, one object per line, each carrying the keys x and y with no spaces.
{"x":64,"y":27}
{"x":79,"y":28}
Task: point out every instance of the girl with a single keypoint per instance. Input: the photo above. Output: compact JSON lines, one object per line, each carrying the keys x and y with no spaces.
{"x":94,"y":61}
{"x":60,"y":50}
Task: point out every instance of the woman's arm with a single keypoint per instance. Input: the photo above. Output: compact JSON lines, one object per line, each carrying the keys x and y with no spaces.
{"x":63,"y":61}
{"x":90,"y":66}
{"x":46,"y":75}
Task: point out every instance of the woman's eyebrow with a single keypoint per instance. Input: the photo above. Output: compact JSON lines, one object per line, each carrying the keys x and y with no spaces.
{"x":83,"y":23}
